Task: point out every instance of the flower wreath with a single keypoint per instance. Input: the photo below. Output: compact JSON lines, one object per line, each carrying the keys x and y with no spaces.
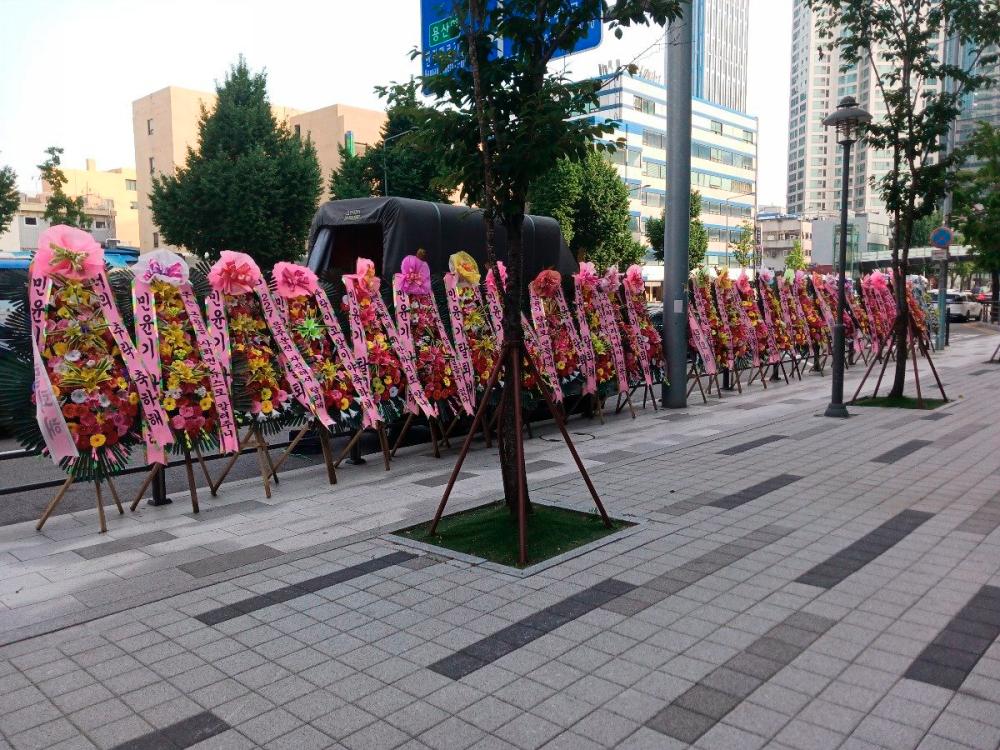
{"x":711,"y":322}
{"x":797,"y":328}
{"x":180,"y":355}
{"x":774,"y":312}
{"x":817,"y":326}
{"x":762,"y":330}
{"x":476,"y":348}
{"x":279,"y":387}
{"x":599,"y":330}
{"x":317,"y":335}
{"x":93,"y":398}
{"x":563,"y":358}
{"x":643,"y":336}
{"x":425,"y":341}
{"x":530,"y":384}
{"x":744,"y":342}
{"x":374,"y":339}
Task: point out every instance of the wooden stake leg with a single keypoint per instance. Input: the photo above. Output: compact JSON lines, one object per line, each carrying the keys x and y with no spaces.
{"x":402,"y":434}
{"x":204,"y":466}
{"x":214,"y":488}
{"x":114,"y":495}
{"x":192,"y":488}
{"x":53,"y":503}
{"x":522,"y":479}
{"x":324,"y":444}
{"x":383,"y":440}
{"x":347,"y":449}
{"x":145,"y":486}
{"x":100,"y":507}
{"x":291,"y":446}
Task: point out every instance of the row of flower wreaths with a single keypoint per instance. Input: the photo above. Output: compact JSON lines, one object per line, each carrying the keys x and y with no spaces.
{"x":254,"y":354}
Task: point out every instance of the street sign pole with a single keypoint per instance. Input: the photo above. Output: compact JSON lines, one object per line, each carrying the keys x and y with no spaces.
{"x":941,"y":241}
{"x":677,"y":224}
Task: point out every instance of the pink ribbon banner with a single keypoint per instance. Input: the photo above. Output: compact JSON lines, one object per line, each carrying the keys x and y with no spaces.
{"x":701,"y":344}
{"x":356,"y":366}
{"x":766,"y":299}
{"x":635,"y":334}
{"x":731,"y":300}
{"x":462,"y":353}
{"x":544,"y":344}
{"x":51,"y":422}
{"x":402,"y":341}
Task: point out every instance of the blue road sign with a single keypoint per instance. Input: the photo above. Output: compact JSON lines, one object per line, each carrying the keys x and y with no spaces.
{"x":941,"y":237}
{"x":439,"y":30}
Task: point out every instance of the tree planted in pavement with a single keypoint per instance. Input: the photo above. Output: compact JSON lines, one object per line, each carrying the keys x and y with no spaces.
{"x":697,"y":234}
{"x":899,"y":43}
{"x":59,"y":207}
{"x":977,"y":207}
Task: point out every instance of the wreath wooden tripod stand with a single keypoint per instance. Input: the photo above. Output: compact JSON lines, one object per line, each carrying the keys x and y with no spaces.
{"x":914,"y":342}
{"x":510,"y":360}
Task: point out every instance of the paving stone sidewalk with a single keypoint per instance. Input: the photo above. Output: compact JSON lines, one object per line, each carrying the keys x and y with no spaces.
{"x":795,"y":582}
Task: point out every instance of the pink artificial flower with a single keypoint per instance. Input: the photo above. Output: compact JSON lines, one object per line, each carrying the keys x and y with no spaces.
{"x":163,"y":265}
{"x":800,"y":276}
{"x":177,"y":422}
{"x":766,"y":275}
{"x":292,"y":280}
{"x":365,"y":275}
{"x":234,"y":273}
{"x":633,"y":279}
{"x":491,"y":281}
{"x":68,"y":252}
{"x":415,"y":276}
{"x":878,"y":280}
{"x":587,"y":275}
{"x":547,"y":283}
{"x":743,"y":282}
{"x":613,"y":279}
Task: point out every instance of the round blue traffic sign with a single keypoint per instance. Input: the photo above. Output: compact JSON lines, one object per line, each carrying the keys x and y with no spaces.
{"x":941,"y":237}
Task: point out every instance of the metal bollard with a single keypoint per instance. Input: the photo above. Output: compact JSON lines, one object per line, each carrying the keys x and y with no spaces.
{"x":160,"y":489}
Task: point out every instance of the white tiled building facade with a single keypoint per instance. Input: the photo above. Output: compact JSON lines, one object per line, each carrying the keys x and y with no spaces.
{"x":723,"y":158}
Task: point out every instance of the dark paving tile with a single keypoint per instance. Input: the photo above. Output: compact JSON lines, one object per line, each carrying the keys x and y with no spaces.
{"x":958,"y":435}
{"x":229,"y":560}
{"x":743,"y":447}
{"x":439,"y":480}
{"x":419,"y":563}
{"x":185,"y":733}
{"x":977,"y":373}
{"x":121,"y":545}
{"x":703,"y":705}
{"x":755,"y":491}
{"x":794,"y":401}
{"x":984,"y":521}
{"x":310,"y":585}
{"x":856,"y":555}
{"x":541,"y":465}
{"x":612,"y":456}
{"x":679,"y":417}
{"x":956,"y":650}
{"x":813,"y":431}
{"x":221,"y":511}
{"x":487,"y":650}
{"x":935,"y":416}
{"x":901,"y":451}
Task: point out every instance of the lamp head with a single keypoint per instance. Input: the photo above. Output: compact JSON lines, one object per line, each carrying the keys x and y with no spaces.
{"x":847,"y":118}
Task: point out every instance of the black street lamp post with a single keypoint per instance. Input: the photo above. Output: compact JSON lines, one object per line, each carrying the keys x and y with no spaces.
{"x":846,"y":119}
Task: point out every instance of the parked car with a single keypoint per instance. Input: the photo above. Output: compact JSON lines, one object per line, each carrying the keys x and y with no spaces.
{"x":961,"y":305}
{"x":981,"y":293}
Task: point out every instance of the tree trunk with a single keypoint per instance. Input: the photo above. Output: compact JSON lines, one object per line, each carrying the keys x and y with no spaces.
{"x":995,"y":295}
{"x":513,"y":333}
{"x":904,"y":233}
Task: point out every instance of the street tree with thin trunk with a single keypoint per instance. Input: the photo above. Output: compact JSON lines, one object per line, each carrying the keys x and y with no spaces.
{"x":977,"y":207}
{"x":743,"y":247}
{"x":899,"y":42}
{"x":796,"y":259}
{"x":697,"y":234}
{"x":10,"y":199}
{"x":503,"y":121}
{"x":59,"y":207}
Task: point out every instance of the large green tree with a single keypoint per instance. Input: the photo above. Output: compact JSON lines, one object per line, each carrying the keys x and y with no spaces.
{"x":10,"y":199}
{"x":977,"y":207}
{"x":601,"y":230}
{"x":251,"y":184}
{"x":59,"y":207}
{"x":403,"y":164}
{"x":898,"y":41}
{"x":697,"y":234}
{"x":501,"y":122}
{"x":556,"y":194}
{"x":796,"y":259}
{"x":349,"y":179}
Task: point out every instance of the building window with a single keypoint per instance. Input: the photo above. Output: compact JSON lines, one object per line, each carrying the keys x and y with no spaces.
{"x":717,"y":127}
{"x":633,"y":223}
{"x":31,"y":221}
{"x":134,"y":206}
{"x":100,"y":224}
{"x":152,"y":165}
{"x":130,"y":185}
{"x":652,"y":169}
{"x":642,"y":104}
{"x":149,"y":126}
{"x":156,"y":239}
{"x":653,"y":139}
{"x":298,"y":130}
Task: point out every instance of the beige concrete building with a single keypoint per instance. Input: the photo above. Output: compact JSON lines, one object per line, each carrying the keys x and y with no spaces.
{"x":118,"y":186}
{"x":165,"y":124}
{"x":29,"y":222}
{"x":778,"y":234}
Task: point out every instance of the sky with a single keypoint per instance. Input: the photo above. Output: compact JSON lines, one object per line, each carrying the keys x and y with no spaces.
{"x":72,"y":68}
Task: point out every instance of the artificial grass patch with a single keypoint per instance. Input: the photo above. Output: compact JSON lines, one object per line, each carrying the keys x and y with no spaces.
{"x":900,"y":402}
{"x":490,"y":531}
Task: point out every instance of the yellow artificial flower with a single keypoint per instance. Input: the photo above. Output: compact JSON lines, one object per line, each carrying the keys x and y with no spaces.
{"x":133,"y":398}
{"x":388,"y":380}
{"x":97,"y":440}
{"x":265,"y":393}
{"x":121,"y":383}
{"x":266,"y":407}
{"x":60,"y":348}
{"x":173,"y":382}
{"x":465,"y":266}
{"x":447,"y":381}
{"x":205,"y":403}
{"x":344,"y":403}
{"x":169,"y":404}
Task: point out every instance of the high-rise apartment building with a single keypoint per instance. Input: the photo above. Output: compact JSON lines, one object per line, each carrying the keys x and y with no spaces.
{"x":165,"y":124}
{"x":719,"y":53}
{"x":814,"y":157}
{"x":982,"y":106}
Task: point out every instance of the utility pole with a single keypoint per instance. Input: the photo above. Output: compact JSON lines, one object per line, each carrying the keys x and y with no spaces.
{"x":677,"y":225}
